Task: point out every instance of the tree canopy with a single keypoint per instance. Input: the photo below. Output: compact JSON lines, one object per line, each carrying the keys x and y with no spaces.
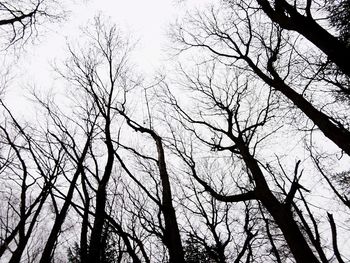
{"x":238,"y":153}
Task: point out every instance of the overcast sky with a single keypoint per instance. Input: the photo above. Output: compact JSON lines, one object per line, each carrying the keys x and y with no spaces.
{"x":146,"y":21}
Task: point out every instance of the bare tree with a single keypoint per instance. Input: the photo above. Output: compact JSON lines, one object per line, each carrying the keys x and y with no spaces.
{"x":19,"y":20}
{"x":39,"y":165}
{"x":302,"y":18}
{"x":171,"y":233}
{"x":101,"y":73}
{"x":214,"y":226}
{"x":227,"y":119}
{"x":78,"y":156}
{"x":244,"y":44}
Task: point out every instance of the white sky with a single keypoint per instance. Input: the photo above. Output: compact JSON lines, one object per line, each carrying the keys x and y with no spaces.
{"x":146,"y":21}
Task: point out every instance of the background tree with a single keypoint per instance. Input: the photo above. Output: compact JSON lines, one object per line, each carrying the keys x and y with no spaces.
{"x":20,"y":20}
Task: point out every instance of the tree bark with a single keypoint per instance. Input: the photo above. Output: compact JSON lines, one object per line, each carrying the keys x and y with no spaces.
{"x":336,"y":133}
{"x":280,"y":212}
{"x":96,"y":232}
{"x":289,"y":18}
{"x":172,"y":232}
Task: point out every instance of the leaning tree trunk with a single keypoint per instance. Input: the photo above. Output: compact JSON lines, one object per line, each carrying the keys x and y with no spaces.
{"x":280,"y":212}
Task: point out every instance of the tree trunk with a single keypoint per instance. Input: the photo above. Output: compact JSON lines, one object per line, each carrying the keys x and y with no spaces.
{"x":337,"y":134}
{"x":50,"y":244}
{"x":280,"y":212}
{"x":289,"y":18}
{"x":172,"y":232}
{"x":96,"y":232}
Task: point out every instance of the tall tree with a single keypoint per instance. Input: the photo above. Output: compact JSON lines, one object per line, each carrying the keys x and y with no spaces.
{"x":221,"y":123}
{"x":269,"y":54}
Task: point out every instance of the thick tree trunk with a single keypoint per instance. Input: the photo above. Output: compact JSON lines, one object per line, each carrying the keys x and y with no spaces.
{"x":172,"y":232}
{"x":336,"y":133}
{"x":280,"y":212}
{"x":289,"y":18}
{"x":96,"y":232}
{"x":95,"y":246}
{"x":85,"y":221}
{"x":172,"y":238}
